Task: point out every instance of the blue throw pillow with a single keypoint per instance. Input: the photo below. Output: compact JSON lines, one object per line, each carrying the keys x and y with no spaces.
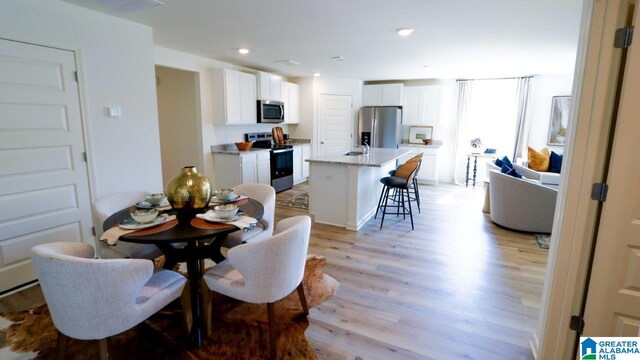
{"x":506,"y":161}
{"x":510,"y":171}
{"x":498,"y":162}
{"x":555,"y":163}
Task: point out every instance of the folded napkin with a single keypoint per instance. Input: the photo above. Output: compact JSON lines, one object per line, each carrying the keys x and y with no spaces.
{"x":112,"y":235}
{"x":216,"y":201}
{"x":245,"y":223}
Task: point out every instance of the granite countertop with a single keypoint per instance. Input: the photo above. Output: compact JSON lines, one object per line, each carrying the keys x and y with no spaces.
{"x":377,"y":158}
{"x":232,"y":149}
{"x":436,"y":144}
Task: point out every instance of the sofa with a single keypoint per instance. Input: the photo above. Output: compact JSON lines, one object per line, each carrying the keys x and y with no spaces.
{"x":549,"y":178}
{"x":521,"y":204}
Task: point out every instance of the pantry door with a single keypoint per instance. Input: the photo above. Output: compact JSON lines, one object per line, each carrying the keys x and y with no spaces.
{"x":335,"y":124}
{"x":44,"y":188}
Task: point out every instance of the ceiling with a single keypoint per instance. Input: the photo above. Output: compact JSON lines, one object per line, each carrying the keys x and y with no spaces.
{"x":456,"y":38}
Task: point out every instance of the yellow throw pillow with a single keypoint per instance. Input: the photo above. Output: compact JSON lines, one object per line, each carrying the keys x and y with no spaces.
{"x":538,"y":161}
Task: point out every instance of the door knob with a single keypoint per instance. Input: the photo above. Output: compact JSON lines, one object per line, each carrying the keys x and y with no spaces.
{"x":322,"y":142}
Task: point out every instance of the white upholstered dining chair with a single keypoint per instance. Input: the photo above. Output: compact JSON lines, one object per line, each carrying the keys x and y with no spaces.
{"x":93,"y":299}
{"x":266,"y":195}
{"x":108,"y":205}
{"x":266,"y":271}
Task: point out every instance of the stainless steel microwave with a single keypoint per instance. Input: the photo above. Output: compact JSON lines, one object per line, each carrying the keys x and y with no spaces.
{"x":270,"y":111}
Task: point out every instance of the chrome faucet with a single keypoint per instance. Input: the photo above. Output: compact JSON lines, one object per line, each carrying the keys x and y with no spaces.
{"x":365,"y":149}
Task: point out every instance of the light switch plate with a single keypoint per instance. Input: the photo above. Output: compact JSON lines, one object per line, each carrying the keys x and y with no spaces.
{"x":114,"y":112}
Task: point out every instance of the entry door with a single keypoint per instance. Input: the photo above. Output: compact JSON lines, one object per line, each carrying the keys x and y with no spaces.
{"x":44,"y":192}
{"x":613,"y":301}
{"x":335,"y":124}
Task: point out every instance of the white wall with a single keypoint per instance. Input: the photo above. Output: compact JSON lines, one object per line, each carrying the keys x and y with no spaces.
{"x":211,"y":134}
{"x":116,"y":69}
{"x":178,"y":117}
{"x":545,"y":87}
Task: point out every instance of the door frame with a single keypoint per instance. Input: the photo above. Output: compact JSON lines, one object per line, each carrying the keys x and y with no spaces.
{"x":82,"y":96}
{"x":575,"y":215}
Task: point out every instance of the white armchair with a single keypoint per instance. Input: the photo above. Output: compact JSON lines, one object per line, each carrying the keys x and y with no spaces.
{"x":544,"y":177}
{"x":266,"y":271}
{"x":266,"y":195}
{"x":109,"y":204}
{"x":521,"y":204}
{"x":92,"y":299}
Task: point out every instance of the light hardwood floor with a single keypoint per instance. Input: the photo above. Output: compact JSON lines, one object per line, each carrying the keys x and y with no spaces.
{"x":457,"y":287}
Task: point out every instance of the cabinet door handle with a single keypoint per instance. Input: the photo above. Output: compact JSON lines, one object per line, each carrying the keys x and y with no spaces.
{"x":322,"y":142}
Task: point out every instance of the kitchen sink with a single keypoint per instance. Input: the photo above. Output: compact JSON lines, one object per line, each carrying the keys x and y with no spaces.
{"x":354,"y":153}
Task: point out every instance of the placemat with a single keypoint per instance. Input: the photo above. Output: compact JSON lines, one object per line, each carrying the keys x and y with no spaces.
{"x":205,"y":225}
{"x":156,"y":229}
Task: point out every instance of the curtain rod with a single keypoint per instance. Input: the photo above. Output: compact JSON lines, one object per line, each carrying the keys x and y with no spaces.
{"x":503,"y":78}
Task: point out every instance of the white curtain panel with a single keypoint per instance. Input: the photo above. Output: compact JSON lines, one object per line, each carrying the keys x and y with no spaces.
{"x":461,"y":145}
{"x":523,"y":97}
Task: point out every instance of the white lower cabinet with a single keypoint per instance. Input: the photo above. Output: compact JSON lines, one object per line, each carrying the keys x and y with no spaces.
{"x":230,"y":170}
{"x":428,"y":173}
{"x":300,"y":166}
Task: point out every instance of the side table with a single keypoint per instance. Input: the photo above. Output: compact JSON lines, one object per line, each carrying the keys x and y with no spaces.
{"x":475,"y":157}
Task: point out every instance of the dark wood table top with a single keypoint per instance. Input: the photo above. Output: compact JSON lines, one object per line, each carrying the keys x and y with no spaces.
{"x":183,"y":232}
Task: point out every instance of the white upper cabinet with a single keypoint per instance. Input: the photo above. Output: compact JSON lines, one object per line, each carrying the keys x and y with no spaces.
{"x":290,"y":96}
{"x":269,"y":86}
{"x":234,"y":97}
{"x":382,"y":95}
{"x":421,"y":105}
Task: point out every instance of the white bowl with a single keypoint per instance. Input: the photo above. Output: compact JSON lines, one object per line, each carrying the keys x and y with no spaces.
{"x":223,"y":194}
{"x":227,"y":211}
{"x":144,"y":215}
{"x":156,"y":199}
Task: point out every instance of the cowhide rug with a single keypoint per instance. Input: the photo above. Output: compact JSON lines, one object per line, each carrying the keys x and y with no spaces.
{"x":239,"y":330}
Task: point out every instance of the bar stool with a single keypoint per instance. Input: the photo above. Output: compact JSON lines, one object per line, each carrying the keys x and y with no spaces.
{"x":414,"y":183}
{"x":398,"y":183}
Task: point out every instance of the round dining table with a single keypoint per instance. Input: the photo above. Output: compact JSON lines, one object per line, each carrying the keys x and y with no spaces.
{"x":185,"y":242}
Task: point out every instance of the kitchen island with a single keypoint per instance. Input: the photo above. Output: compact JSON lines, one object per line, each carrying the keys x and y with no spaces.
{"x":344,"y":190}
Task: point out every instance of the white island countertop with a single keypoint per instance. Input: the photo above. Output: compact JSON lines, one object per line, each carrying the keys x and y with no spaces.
{"x":376,"y":158}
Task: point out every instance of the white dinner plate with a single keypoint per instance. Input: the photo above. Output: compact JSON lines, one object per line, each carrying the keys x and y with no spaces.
{"x":130,"y":224}
{"x":212,"y":217}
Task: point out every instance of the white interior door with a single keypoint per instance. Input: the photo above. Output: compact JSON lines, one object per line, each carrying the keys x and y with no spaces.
{"x":613,"y":301}
{"x":335,"y":124}
{"x":44,"y":191}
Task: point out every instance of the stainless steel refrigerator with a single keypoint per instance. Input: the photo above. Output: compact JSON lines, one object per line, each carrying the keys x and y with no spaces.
{"x":380,"y":126}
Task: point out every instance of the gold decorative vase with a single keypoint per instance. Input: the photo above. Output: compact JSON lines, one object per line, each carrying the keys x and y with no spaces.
{"x":188,"y":191}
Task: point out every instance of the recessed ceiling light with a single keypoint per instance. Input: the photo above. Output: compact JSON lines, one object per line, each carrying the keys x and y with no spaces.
{"x":405,"y":31}
{"x":243,"y":51}
{"x":316,"y":74}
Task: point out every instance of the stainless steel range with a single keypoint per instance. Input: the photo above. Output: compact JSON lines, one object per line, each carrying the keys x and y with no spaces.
{"x":281,"y":159}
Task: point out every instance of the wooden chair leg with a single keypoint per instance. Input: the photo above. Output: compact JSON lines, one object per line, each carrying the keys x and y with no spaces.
{"x":63,"y":340}
{"x":303,"y":299}
{"x":272,"y":331}
{"x":206,"y":308}
{"x":104,"y":352}
{"x":185,"y":304}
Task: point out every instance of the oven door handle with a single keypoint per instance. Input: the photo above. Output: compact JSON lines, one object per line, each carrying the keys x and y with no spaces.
{"x":281,"y":151}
